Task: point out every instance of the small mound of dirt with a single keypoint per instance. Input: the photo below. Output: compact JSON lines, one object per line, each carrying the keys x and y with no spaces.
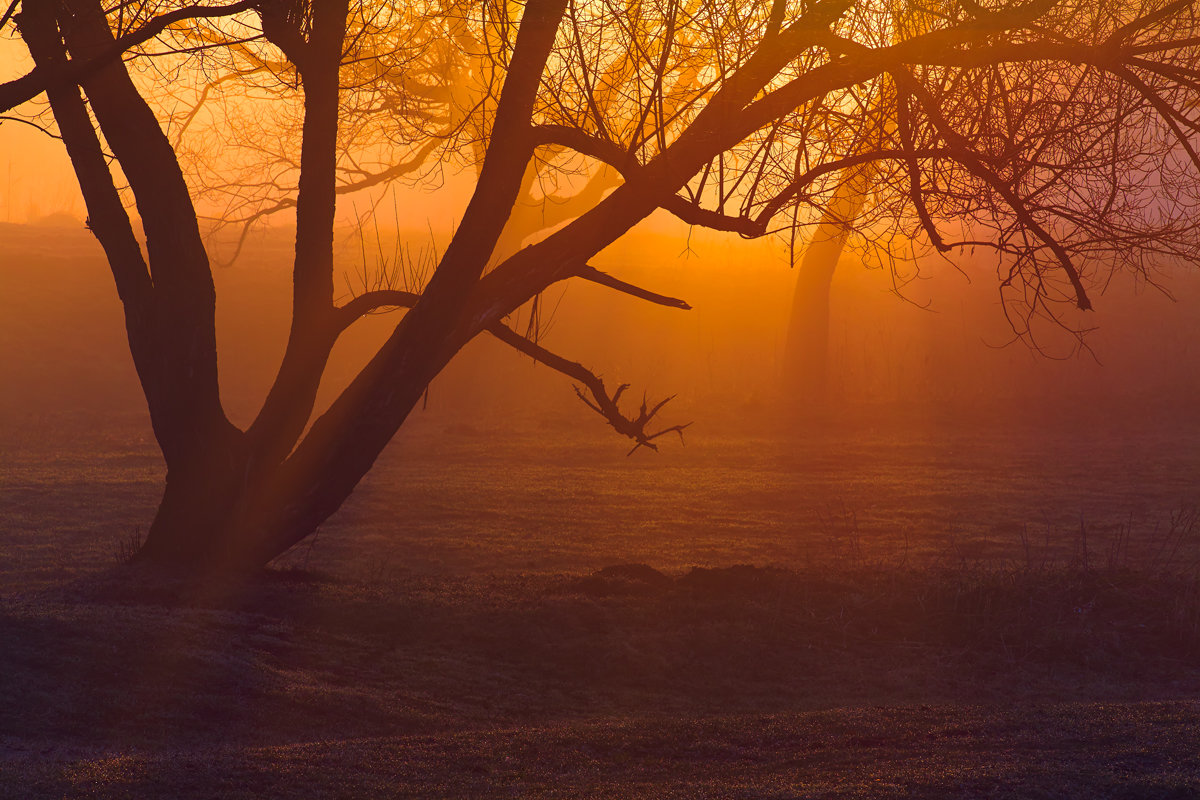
{"x":621,"y":579}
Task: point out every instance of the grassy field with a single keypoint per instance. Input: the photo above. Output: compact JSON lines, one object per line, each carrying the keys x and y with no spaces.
{"x":481,"y":499}
{"x":946,"y":615}
{"x":510,"y":607}
{"x":628,"y":682}
{"x":928,"y":617}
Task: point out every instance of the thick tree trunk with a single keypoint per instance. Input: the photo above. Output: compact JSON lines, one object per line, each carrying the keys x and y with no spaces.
{"x":238,"y":514}
{"x":203,"y":527}
{"x":229,"y":515}
{"x":195,"y":511}
{"x":200,"y":500}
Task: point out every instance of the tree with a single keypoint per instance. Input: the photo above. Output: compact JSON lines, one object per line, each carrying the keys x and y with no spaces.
{"x":806,"y":349}
{"x":1061,"y":136}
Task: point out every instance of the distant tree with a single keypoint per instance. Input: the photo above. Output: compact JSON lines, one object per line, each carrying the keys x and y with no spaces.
{"x":805,"y":370}
{"x":1062,"y":136}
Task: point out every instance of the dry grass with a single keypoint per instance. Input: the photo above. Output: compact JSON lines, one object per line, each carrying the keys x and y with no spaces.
{"x":1133,"y":751}
{"x":472,"y":648}
{"x":941,"y":623}
{"x":739,"y":681}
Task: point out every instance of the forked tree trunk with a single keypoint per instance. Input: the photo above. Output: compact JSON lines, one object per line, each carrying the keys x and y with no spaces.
{"x":244,"y":501}
{"x":230,"y":513}
{"x":196,"y":511}
{"x":236,"y":499}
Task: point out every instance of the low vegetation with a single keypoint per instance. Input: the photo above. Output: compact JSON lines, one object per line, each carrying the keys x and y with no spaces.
{"x":726,"y":681}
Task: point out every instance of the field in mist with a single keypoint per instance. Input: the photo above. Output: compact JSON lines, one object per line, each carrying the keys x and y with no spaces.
{"x":457,"y":500}
{"x":948,"y":450}
{"x":975,"y":577}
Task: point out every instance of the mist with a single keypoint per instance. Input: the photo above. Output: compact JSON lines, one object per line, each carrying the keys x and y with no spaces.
{"x":937,"y":350}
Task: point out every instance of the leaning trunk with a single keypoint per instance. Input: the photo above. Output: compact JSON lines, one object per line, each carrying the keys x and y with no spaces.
{"x":806,"y":354}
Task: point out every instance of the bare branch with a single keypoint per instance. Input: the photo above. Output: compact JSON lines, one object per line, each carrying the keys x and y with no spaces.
{"x":32,"y":124}
{"x":600,"y":401}
{"x":33,"y":83}
{"x":693,"y":214}
{"x":372,"y":302}
{"x":592,"y":146}
{"x":968,"y":157}
{"x":1128,"y":31}
{"x":12,"y":8}
{"x":283,"y":30}
{"x":594,"y":275}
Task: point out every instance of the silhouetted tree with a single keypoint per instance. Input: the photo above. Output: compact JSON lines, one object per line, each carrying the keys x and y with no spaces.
{"x":1062,"y":136}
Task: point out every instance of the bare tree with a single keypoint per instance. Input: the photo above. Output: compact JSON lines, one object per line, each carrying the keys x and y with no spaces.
{"x":1063,"y":137}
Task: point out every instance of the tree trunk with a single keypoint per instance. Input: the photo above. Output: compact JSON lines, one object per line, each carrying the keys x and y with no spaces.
{"x":237,"y":512}
{"x":806,"y":353}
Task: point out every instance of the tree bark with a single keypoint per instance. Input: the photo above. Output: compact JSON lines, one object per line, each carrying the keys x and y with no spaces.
{"x":313,"y":330}
{"x":168,"y":298}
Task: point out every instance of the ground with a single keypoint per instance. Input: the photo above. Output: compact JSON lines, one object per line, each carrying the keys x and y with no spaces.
{"x":868,"y":617}
{"x":628,"y":682}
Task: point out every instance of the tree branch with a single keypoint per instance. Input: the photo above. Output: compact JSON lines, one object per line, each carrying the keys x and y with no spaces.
{"x":184,"y":335}
{"x":370,"y":302}
{"x":20,"y":90}
{"x":693,"y":214}
{"x":107,"y":217}
{"x":967,"y":156}
{"x":12,"y":8}
{"x":283,"y":30}
{"x":601,"y":401}
{"x":588,"y":272}
{"x":509,"y":148}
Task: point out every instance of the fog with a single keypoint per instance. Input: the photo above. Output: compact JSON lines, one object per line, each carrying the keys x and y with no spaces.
{"x":937,"y":350}
{"x":940,"y":350}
